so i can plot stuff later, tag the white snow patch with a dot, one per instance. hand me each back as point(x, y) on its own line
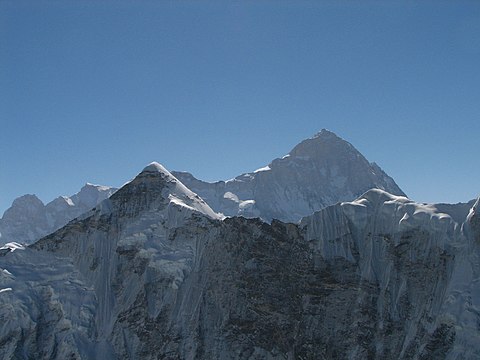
point(6, 272)
point(99, 187)
point(473, 210)
point(12, 246)
point(265, 168)
point(231, 196)
point(68, 200)
point(175, 200)
point(5, 290)
point(246, 204)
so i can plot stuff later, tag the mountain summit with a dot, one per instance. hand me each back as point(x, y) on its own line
point(318, 172)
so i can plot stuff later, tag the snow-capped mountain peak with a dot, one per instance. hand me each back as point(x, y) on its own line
point(155, 175)
point(157, 167)
point(318, 172)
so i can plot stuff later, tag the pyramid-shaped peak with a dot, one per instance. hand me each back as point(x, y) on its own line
point(325, 143)
point(155, 187)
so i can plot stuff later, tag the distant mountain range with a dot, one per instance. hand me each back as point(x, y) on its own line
point(318, 172)
point(29, 219)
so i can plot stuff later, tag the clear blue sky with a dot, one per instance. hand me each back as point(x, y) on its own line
point(93, 91)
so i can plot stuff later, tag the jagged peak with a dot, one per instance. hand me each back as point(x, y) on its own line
point(325, 133)
point(27, 200)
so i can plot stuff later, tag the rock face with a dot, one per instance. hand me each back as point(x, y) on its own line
point(157, 274)
point(28, 219)
point(318, 172)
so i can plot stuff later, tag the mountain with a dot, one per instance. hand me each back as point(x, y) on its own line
point(318, 172)
point(153, 272)
point(28, 219)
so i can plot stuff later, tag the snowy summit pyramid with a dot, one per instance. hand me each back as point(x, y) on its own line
point(318, 172)
point(156, 188)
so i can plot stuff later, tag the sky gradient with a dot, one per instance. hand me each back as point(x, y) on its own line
point(93, 91)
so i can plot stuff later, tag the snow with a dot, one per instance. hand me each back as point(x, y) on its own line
point(6, 272)
point(473, 210)
point(156, 251)
point(99, 187)
point(413, 214)
point(265, 168)
point(175, 200)
point(180, 195)
point(231, 196)
point(156, 167)
point(12, 246)
point(247, 204)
